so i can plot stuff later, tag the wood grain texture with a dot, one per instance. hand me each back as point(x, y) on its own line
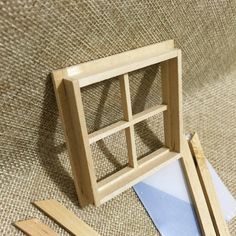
point(208, 187)
point(65, 218)
point(73, 149)
point(196, 191)
point(125, 97)
point(107, 131)
point(171, 74)
point(120, 125)
point(67, 84)
point(127, 110)
point(69, 99)
point(122, 68)
point(152, 111)
point(127, 177)
point(35, 227)
point(89, 185)
point(104, 68)
point(130, 140)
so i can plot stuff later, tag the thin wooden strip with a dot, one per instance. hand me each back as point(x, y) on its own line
point(102, 63)
point(171, 72)
point(148, 113)
point(65, 218)
point(107, 131)
point(80, 175)
point(208, 187)
point(165, 80)
point(35, 227)
point(127, 109)
point(125, 97)
point(113, 71)
point(147, 160)
point(120, 174)
point(114, 65)
point(75, 103)
point(130, 139)
point(130, 176)
point(197, 194)
point(120, 125)
point(124, 68)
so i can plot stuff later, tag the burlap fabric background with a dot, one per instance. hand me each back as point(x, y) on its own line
point(40, 36)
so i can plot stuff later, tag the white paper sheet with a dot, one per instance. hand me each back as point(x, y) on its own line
point(166, 199)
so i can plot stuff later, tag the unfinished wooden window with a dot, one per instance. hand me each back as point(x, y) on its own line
point(68, 83)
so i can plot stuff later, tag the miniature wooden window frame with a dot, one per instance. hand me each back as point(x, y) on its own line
point(68, 83)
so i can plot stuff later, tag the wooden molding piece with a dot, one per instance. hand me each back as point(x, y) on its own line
point(208, 187)
point(35, 227)
point(65, 218)
point(197, 194)
point(98, 70)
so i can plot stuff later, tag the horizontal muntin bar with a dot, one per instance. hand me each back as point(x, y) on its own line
point(148, 113)
point(120, 125)
point(127, 177)
point(107, 131)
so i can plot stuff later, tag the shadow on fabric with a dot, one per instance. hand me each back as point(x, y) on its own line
point(48, 150)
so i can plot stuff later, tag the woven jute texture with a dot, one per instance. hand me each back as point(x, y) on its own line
point(40, 36)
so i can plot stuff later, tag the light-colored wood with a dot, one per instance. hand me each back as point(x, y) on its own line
point(120, 125)
point(125, 97)
point(130, 140)
point(171, 72)
point(35, 227)
point(208, 187)
point(81, 135)
point(107, 131)
point(127, 109)
point(148, 113)
point(119, 174)
point(127, 177)
point(71, 110)
point(67, 83)
point(108, 67)
point(65, 218)
point(80, 174)
point(122, 67)
point(197, 194)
